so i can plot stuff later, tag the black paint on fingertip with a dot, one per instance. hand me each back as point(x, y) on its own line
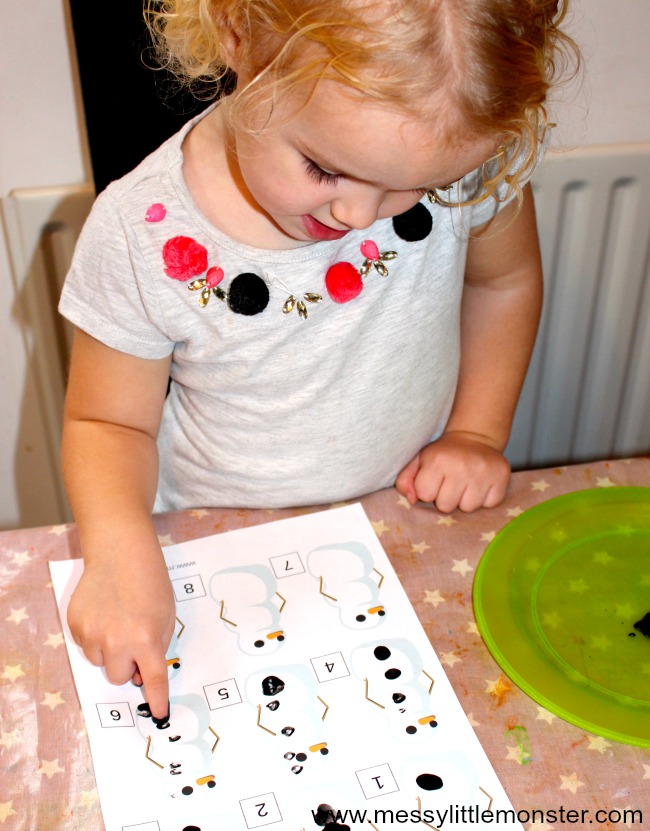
point(144, 710)
point(161, 723)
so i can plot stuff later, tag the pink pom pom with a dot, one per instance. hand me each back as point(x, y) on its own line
point(184, 258)
point(155, 212)
point(343, 282)
point(214, 276)
point(369, 250)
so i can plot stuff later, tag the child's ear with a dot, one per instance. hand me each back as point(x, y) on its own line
point(231, 44)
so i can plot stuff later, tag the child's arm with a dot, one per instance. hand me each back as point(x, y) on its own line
point(465, 468)
point(122, 613)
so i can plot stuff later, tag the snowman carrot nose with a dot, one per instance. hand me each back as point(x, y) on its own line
point(206, 780)
point(279, 635)
point(376, 610)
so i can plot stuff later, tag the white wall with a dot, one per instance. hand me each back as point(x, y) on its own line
point(42, 143)
point(609, 103)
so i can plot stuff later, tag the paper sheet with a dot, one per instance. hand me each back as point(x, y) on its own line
point(300, 681)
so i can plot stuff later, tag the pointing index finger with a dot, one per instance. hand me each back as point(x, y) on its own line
point(153, 672)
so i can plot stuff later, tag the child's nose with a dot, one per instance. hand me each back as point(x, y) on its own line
point(357, 208)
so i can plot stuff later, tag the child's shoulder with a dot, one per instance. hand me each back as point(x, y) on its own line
point(157, 177)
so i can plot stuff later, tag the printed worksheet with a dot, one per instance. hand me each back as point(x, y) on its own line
point(304, 694)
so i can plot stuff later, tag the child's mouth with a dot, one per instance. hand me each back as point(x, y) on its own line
point(316, 229)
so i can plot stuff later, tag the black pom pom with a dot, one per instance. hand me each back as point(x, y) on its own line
point(248, 294)
point(413, 225)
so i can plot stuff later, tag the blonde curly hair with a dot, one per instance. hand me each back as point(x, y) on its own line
point(496, 60)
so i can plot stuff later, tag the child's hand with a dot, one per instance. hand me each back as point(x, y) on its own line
point(123, 619)
point(459, 470)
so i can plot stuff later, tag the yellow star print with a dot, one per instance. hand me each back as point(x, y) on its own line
point(598, 743)
point(20, 558)
point(571, 783)
point(12, 672)
point(17, 615)
point(8, 740)
point(52, 700)
point(462, 567)
point(49, 769)
point(379, 527)
point(6, 810)
point(449, 658)
point(88, 798)
point(434, 597)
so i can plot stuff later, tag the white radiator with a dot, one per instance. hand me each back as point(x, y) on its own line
point(587, 394)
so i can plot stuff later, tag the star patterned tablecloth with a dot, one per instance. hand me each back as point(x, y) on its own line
point(46, 774)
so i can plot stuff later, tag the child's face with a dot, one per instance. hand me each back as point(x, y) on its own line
point(343, 162)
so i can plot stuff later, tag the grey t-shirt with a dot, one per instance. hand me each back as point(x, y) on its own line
point(272, 409)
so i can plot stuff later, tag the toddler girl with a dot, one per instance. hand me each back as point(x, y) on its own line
point(336, 265)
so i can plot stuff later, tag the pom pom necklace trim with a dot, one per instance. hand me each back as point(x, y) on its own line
point(248, 294)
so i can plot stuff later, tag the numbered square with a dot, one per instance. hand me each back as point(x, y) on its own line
point(260, 810)
point(377, 781)
point(187, 588)
point(329, 667)
point(286, 565)
point(115, 714)
point(222, 694)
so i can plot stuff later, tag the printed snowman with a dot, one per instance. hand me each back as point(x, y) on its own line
point(348, 581)
point(249, 607)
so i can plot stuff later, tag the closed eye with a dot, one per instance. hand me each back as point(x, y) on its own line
point(320, 175)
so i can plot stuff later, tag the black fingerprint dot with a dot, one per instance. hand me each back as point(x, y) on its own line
point(161, 723)
point(272, 685)
point(433, 723)
point(296, 769)
point(410, 729)
point(280, 637)
point(289, 756)
point(191, 828)
point(361, 618)
point(381, 653)
point(392, 673)
point(429, 782)
point(324, 751)
point(288, 731)
point(324, 815)
point(413, 225)
point(399, 698)
point(381, 612)
point(301, 757)
point(248, 294)
point(212, 784)
point(259, 644)
point(187, 790)
point(273, 705)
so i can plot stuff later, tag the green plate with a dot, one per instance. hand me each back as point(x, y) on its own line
point(556, 597)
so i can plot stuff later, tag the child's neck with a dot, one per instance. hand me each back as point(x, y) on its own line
point(214, 181)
